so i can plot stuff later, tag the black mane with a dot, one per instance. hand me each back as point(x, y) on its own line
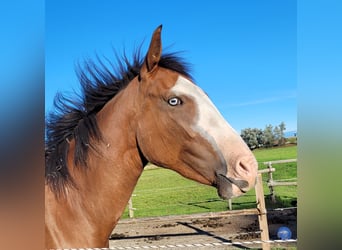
point(75, 116)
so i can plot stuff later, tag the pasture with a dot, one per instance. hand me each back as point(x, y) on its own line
point(162, 192)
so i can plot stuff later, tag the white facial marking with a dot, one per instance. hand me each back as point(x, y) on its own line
point(209, 118)
point(211, 125)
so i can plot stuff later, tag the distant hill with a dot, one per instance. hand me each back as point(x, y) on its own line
point(292, 133)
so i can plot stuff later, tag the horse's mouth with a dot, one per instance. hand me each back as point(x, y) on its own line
point(228, 187)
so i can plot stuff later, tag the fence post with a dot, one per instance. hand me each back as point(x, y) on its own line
point(270, 181)
point(130, 208)
point(230, 204)
point(262, 216)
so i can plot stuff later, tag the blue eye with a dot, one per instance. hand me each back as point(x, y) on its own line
point(174, 101)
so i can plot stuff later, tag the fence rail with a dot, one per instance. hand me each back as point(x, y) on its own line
point(261, 210)
point(280, 161)
point(273, 183)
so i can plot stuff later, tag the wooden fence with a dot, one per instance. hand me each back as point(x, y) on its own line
point(271, 183)
point(261, 210)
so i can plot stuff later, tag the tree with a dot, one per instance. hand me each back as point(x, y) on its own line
point(252, 137)
point(277, 135)
point(260, 137)
point(256, 138)
point(282, 128)
point(249, 137)
point(268, 136)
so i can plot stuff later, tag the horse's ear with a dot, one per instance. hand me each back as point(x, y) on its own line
point(153, 54)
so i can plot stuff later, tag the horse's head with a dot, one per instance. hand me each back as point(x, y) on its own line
point(180, 128)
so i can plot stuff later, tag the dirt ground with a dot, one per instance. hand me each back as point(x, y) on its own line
point(217, 230)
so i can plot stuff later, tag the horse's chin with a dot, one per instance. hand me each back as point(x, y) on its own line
point(228, 188)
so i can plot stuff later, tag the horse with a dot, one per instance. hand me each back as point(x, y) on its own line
point(96, 147)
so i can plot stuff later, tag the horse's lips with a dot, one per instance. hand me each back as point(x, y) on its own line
point(228, 187)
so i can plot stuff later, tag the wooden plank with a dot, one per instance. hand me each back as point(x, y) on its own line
point(262, 216)
point(280, 161)
point(282, 183)
point(266, 170)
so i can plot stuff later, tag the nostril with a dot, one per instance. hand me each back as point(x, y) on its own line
point(246, 167)
point(243, 167)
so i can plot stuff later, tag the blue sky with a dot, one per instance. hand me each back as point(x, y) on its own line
point(243, 53)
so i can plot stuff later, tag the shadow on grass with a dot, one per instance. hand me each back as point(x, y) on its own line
point(280, 202)
point(201, 204)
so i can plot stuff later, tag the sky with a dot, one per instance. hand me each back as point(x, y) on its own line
point(243, 53)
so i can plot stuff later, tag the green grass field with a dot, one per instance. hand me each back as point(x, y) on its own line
point(164, 192)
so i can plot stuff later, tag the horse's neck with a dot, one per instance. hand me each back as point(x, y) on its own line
point(114, 166)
